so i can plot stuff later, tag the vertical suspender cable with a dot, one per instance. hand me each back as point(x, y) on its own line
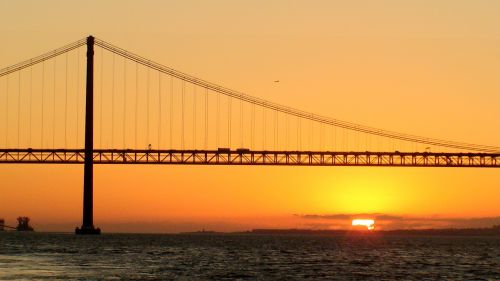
point(241, 123)
point(340, 142)
point(378, 140)
point(18, 108)
point(321, 136)
point(31, 105)
point(171, 110)
point(347, 139)
point(182, 114)
point(342, 139)
point(194, 116)
point(366, 142)
point(159, 110)
point(101, 93)
point(252, 129)
point(66, 106)
point(7, 112)
point(264, 128)
point(329, 138)
point(77, 94)
point(124, 101)
point(43, 93)
point(206, 118)
point(275, 129)
point(229, 114)
point(334, 137)
point(218, 120)
point(324, 129)
point(147, 108)
point(54, 105)
point(356, 136)
point(311, 131)
point(136, 100)
point(286, 131)
point(113, 103)
point(299, 134)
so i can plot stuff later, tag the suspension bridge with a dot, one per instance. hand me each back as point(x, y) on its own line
point(84, 105)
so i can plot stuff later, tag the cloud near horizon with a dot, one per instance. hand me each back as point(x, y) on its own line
point(390, 221)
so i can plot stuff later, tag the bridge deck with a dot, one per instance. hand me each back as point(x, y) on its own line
point(250, 157)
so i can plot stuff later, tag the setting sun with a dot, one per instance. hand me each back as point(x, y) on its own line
point(370, 224)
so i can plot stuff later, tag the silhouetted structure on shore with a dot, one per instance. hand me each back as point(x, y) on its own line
point(2, 224)
point(23, 224)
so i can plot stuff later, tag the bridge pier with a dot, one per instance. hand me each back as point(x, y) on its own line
point(88, 170)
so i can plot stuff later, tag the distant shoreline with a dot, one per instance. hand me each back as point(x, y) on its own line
point(492, 231)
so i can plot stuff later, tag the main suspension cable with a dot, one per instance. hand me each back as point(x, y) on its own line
point(296, 112)
point(42, 58)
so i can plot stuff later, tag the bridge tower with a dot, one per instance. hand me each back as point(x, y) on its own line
point(88, 170)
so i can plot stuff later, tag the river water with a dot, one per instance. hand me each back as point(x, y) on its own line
point(46, 256)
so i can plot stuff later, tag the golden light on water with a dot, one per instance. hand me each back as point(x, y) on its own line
point(370, 224)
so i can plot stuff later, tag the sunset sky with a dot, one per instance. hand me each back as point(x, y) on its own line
point(428, 68)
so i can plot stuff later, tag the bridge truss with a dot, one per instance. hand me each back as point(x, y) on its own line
point(247, 157)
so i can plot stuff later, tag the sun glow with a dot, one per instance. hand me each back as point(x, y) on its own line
point(370, 224)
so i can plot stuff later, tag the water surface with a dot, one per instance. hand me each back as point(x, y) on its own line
point(26, 256)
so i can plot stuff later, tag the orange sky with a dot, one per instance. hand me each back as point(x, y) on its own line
point(418, 67)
